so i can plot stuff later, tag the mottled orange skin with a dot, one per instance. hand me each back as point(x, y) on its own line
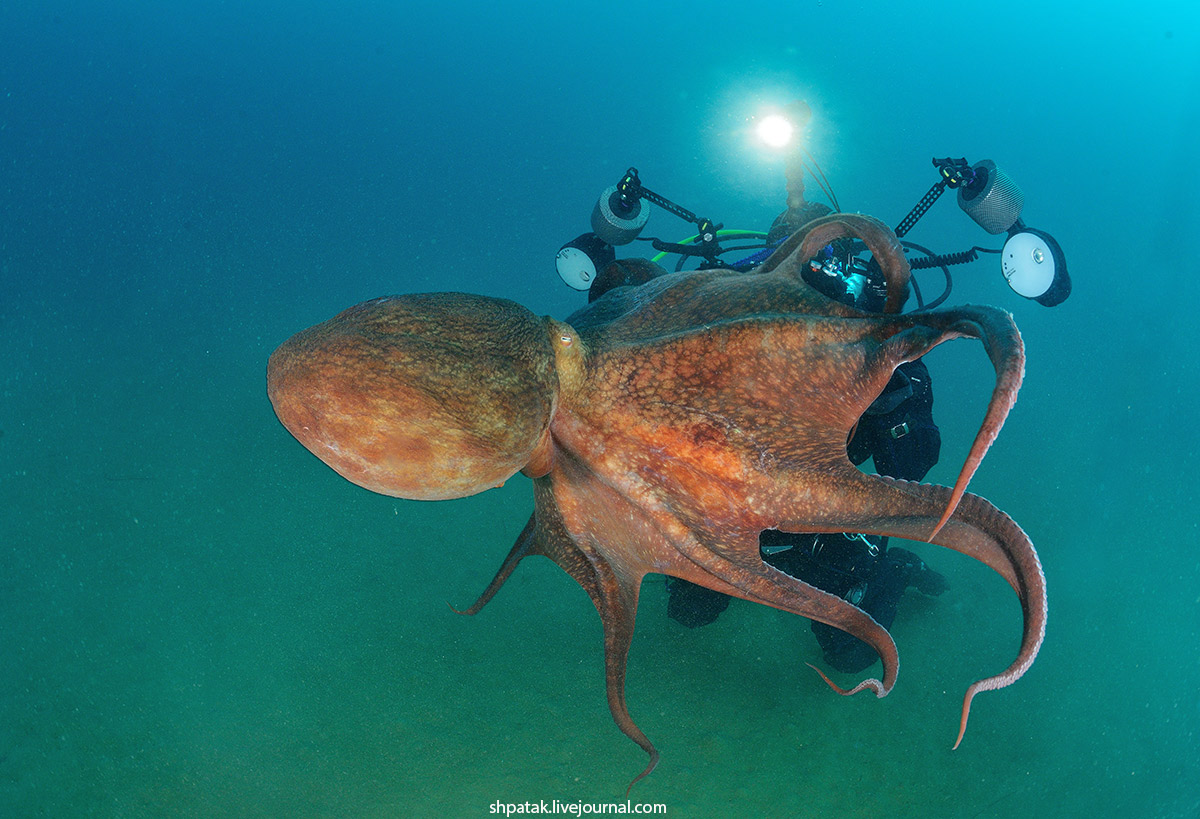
point(390, 393)
point(665, 427)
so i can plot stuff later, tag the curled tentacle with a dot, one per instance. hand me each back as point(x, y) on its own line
point(1005, 548)
point(1002, 341)
point(878, 237)
point(1003, 344)
point(746, 576)
point(885, 506)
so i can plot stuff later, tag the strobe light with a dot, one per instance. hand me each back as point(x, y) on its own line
point(579, 260)
point(1032, 262)
point(1034, 266)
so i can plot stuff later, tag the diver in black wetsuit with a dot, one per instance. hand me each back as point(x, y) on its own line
point(897, 431)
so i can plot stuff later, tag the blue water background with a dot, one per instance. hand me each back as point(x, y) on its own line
point(197, 618)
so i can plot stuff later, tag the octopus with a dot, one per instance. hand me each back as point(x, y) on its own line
point(665, 427)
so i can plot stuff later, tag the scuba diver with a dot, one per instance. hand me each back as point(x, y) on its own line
point(897, 431)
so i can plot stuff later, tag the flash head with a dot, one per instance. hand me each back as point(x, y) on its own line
point(579, 260)
point(1034, 266)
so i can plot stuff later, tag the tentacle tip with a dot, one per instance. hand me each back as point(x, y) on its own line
point(470, 611)
point(945, 518)
point(649, 767)
point(966, 713)
point(825, 677)
point(962, 729)
point(875, 685)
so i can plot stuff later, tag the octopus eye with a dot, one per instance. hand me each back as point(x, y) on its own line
point(566, 340)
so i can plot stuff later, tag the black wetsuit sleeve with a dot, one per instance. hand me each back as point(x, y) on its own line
point(900, 435)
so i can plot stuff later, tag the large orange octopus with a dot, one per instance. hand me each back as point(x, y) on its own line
point(665, 427)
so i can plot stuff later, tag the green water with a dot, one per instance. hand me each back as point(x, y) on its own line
point(200, 619)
